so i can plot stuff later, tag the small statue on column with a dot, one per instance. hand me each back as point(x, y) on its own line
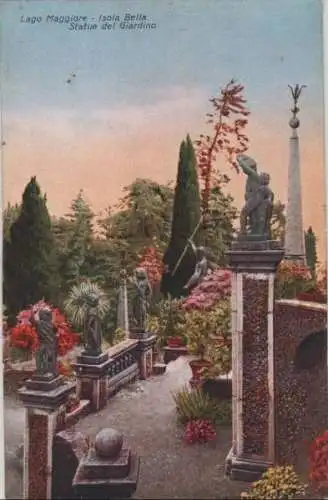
point(46, 355)
point(141, 301)
point(92, 329)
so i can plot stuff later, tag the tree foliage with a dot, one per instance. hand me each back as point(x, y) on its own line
point(78, 241)
point(226, 136)
point(311, 250)
point(186, 216)
point(30, 271)
point(278, 222)
point(9, 216)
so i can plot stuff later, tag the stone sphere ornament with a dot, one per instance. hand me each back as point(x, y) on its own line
point(294, 122)
point(108, 443)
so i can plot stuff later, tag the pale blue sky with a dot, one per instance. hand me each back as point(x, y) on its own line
point(266, 44)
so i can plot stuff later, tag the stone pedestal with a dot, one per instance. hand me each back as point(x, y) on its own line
point(253, 449)
point(91, 374)
point(43, 397)
point(108, 471)
point(144, 354)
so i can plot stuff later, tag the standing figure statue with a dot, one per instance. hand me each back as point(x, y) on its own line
point(141, 301)
point(92, 328)
point(201, 268)
point(256, 214)
point(46, 356)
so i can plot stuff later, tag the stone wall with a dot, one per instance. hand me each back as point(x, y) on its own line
point(300, 372)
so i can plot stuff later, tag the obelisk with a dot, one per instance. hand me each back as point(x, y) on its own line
point(294, 234)
point(122, 307)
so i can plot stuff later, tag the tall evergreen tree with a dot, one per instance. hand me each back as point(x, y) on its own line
point(311, 250)
point(29, 258)
point(186, 216)
point(10, 214)
point(74, 262)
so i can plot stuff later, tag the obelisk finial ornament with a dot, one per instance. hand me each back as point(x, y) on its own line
point(294, 237)
point(296, 92)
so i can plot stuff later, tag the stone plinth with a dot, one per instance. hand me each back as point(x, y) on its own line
point(144, 354)
point(91, 374)
point(108, 471)
point(42, 407)
point(253, 449)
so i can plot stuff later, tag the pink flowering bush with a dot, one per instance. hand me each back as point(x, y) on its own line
point(216, 286)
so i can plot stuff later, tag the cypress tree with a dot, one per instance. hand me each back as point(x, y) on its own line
point(29, 258)
point(311, 250)
point(186, 215)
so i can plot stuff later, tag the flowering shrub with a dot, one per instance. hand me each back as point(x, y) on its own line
point(152, 262)
point(214, 287)
point(199, 431)
point(318, 461)
point(292, 279)
point(277, 483)
point(208, 334)
point(24, 335)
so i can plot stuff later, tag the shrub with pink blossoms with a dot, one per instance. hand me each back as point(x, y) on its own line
point(215, 287)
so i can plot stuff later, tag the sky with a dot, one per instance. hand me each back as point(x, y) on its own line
point(137, 93)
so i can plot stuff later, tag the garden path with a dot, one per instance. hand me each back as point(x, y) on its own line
point(145, 413)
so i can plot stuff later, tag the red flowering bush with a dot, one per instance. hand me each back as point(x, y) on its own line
point(199, 431)
point(318, 461)
point(152, 262)
point(214, 287)
point(24, 335)
point(292, 279)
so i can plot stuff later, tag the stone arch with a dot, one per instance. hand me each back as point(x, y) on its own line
point(311, 353)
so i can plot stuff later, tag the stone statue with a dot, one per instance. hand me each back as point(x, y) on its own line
point(201, 268)
point(46, 356)
point(140, 306)
point(256, 214)
point(92, 329)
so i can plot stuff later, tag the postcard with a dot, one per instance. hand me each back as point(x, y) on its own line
point(164, 248)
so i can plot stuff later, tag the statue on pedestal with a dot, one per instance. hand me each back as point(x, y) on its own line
point(92, 329)
point(141, 301)
point(256, 214)
point(46, 355)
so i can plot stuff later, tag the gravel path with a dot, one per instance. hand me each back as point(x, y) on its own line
point(145, 413)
